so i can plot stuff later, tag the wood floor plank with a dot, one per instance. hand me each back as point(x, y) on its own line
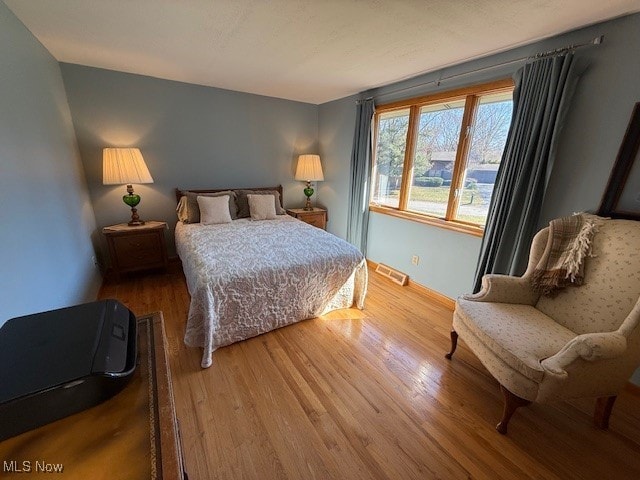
point(368, 395)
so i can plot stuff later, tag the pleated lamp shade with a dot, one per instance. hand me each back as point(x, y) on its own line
point(309, 168)
point(124, 166)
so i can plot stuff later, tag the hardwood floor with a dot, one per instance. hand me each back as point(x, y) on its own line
point(368, 395)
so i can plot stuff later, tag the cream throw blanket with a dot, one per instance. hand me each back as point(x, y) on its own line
point(562, 262)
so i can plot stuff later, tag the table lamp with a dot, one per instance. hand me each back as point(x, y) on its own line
point(125, 166)
point(309, 170)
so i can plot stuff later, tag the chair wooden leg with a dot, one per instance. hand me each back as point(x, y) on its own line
point(454, 344)
point(604, 405)
point(511, 403)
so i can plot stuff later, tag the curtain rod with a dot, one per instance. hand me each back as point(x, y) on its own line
point(558, 51)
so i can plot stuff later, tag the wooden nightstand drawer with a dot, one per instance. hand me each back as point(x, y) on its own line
point(136, 248)
point(316, 217)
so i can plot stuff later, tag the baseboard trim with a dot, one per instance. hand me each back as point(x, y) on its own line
point(447, 302)
point(437, 297)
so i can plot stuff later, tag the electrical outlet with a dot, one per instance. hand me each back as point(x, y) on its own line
point(415, 260)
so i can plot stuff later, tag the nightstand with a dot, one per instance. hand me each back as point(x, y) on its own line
point(136, 248)
point(316, 217)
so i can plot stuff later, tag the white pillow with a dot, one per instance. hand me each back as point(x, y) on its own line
point(262, 207)
point(214, 210)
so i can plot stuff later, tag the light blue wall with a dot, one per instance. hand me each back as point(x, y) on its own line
point(586, 152)
point(46, 215)
point(336, 122)
point(598, 118)
point(436, 248)
point(190, 136)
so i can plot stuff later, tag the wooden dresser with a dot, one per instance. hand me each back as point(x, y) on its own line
point(133, 435)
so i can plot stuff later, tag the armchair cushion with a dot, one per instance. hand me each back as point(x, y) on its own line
point(519, 334)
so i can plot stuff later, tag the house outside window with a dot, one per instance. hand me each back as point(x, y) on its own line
point(436, 157)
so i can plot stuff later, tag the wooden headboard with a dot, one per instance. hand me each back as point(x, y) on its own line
point(179, 191)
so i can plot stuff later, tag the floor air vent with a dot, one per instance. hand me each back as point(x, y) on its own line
point(398, 277)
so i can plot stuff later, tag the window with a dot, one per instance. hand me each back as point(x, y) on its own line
point(392, 134)
point(436, 158)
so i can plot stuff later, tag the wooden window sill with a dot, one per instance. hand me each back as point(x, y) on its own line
point(427, 220)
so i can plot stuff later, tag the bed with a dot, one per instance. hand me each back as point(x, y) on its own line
point(249, 277)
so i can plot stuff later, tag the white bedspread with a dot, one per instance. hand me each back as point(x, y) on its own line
point(249, 277)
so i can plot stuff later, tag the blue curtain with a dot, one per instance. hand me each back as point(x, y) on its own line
point(543, 91)
point(358, 211)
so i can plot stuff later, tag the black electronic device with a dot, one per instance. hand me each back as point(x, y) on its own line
point(57, 363)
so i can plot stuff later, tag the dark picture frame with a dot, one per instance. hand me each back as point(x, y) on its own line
point(621, 198)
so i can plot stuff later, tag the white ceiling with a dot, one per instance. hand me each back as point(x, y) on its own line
point(307, 50)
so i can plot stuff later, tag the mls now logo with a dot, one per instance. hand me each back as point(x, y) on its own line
point(26, 466)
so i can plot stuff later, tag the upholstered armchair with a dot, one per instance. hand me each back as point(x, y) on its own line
point(584, 342)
